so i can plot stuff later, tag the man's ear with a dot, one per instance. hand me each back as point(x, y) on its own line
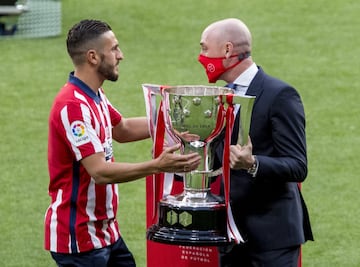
point(92, 57)
point(229, 47)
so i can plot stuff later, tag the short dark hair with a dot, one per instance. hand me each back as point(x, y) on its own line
point(81, 34)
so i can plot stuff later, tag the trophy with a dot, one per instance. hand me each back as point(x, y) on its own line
point(196, 116)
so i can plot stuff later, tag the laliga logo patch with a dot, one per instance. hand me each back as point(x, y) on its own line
point(210, 67)
point(78, 129)
point(79, 133)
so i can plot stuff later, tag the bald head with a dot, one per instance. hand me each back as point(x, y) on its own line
point(225, 49)
point(229, 30)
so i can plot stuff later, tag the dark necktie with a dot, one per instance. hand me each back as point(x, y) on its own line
point(231, 85)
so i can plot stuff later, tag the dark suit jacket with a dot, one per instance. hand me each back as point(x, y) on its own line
point(269, 209)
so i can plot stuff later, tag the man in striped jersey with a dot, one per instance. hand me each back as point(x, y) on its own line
point(80, 224)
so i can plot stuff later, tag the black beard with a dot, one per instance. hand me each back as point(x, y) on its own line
point(108, 73)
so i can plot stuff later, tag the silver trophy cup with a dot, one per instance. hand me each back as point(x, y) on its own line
point(195, 116)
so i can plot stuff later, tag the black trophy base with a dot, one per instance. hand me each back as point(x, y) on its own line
point(190, 226)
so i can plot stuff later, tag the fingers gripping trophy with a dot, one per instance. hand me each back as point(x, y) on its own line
point(195, 116)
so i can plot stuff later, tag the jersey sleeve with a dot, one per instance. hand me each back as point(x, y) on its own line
point(80, 130)
point(114, 114)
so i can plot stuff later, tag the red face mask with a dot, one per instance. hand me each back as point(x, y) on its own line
point(214, 65)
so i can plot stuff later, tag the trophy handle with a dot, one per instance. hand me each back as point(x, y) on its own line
point(161, 183)
point(246, 104)
point(151, 93)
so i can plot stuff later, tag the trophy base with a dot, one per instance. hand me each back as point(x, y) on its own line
point(190, 226)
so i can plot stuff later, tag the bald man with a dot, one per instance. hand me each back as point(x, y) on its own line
point(266, 172)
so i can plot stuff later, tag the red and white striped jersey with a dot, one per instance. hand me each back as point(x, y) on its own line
point(82, 214)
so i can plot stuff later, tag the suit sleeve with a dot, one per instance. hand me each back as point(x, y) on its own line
point(288, 159)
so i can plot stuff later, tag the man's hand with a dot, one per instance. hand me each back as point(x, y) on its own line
point(169, 161)
point(187, 136)
point(241, 157)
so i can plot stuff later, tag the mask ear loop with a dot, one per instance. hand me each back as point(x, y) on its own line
point(242, 56)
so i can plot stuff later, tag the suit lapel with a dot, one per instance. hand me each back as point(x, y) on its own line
point(256, 85)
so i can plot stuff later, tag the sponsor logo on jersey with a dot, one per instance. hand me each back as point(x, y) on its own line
point(79, 133)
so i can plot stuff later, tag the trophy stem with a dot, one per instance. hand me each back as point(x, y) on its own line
point(196, 198)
